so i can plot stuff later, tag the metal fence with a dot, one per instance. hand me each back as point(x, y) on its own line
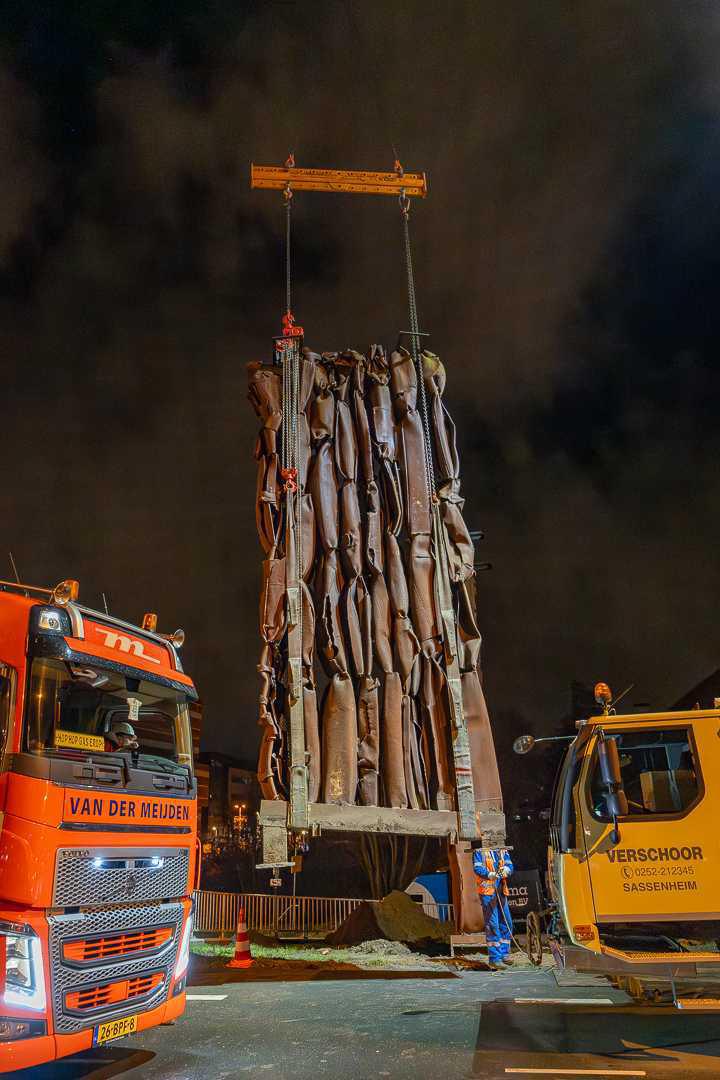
point(441, 912)
point(216, 913)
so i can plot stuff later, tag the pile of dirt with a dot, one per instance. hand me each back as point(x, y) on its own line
point(380, 947)
point(256, 938)
point(396, 918)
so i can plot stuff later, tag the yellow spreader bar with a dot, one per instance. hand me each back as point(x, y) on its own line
point(342, 181)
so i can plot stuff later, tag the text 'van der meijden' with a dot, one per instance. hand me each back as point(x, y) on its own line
point(139, 809)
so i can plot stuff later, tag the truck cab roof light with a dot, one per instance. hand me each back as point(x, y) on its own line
point(65, 592)
point(52, 620)
point(149, 621)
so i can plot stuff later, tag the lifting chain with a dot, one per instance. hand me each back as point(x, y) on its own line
point(443, 589)
point(288, 196)
point(415, 349)
point(289, 470)
point(290, 473)
point(291, 389)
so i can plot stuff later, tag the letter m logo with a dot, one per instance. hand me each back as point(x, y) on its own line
point(125, 644)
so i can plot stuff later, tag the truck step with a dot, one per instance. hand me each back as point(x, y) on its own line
point(664, 957)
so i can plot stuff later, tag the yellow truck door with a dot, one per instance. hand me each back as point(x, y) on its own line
point(659, 862)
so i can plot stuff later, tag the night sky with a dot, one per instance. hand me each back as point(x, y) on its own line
point(567, 265)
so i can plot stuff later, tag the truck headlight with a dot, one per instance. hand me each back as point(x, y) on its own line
point(24, 983)
point(184, 955)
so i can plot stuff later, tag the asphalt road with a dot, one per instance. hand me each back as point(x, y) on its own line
point(475, 1025)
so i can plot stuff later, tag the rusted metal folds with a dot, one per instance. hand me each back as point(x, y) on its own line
point(390, 663)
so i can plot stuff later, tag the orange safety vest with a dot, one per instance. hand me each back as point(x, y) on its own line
point(488, 886)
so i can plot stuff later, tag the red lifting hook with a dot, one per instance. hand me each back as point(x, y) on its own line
point(289, 329)
point(290, 478)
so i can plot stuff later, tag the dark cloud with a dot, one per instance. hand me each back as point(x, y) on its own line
point(566, 267)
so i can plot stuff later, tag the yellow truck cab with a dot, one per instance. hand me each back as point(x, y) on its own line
point(635, 846)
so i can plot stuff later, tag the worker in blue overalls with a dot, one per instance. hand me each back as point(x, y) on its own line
point(492, 869)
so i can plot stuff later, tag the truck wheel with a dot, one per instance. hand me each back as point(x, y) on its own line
point(534, 944)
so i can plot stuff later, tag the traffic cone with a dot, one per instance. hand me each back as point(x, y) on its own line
point(242, 957)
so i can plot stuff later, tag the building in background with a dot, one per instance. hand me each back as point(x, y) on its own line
point(229, 817)
point(202, 772)
point(703, 695)
point(228, 793)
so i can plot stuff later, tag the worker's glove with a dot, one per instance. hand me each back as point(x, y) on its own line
point(504, 873)
point(492, 875)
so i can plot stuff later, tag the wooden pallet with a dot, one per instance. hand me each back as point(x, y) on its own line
point(466, 941)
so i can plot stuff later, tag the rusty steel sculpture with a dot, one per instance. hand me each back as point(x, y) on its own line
point(371, 706)
point(384, 588)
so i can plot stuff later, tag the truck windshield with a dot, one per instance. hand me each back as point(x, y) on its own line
point(659, 773)
point(95, 709)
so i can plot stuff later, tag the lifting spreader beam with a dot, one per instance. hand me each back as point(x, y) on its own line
point(344, 181)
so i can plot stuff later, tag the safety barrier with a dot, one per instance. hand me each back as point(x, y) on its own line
point(216, 913)
point(441, 912)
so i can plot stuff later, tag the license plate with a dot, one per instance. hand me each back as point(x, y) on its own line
point(114, 1029)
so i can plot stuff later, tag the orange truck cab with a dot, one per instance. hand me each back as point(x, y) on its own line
point(98, 840)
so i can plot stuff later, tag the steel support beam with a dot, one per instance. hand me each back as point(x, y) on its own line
point(330, 817)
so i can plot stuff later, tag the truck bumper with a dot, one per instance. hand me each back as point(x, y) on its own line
point(23, 1053)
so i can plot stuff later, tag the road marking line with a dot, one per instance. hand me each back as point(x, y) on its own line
point(563, 1001)
point(577, 1072)
point(206, 997)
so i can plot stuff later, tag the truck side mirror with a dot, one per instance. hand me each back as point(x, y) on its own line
point(523, 744)
point(615, 797)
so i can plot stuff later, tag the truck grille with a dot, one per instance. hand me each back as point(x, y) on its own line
point(87, 988)
point(98, 998)
point(115, 946)
point(101, 876)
